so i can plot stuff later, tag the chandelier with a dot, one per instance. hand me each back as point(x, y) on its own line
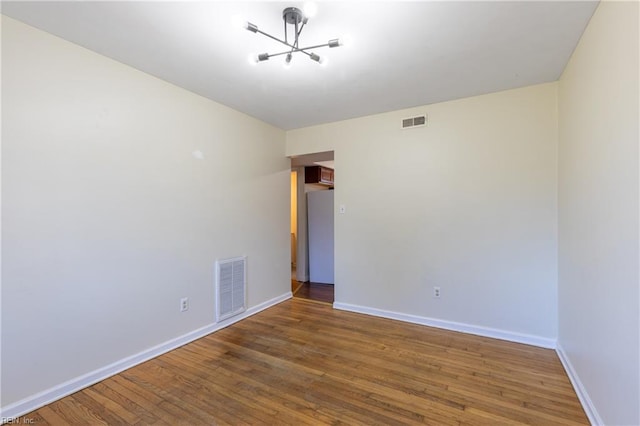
point(294, 21)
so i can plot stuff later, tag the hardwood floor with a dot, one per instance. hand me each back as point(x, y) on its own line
point(305, 363)
point(313, 291)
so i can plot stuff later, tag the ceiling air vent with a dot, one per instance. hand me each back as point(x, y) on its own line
point(419, 121)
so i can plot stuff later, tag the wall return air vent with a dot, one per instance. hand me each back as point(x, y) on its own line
point(409, 123)
point(231, 287)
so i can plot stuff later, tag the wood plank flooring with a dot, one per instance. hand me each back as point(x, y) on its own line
point(304, 363)
point(313, 291)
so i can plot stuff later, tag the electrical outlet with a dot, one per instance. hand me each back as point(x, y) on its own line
point(184, 304)
point(436, 292)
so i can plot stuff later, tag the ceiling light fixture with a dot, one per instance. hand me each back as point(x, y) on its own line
point(295, 18)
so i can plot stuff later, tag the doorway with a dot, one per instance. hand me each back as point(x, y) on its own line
point(310, 255)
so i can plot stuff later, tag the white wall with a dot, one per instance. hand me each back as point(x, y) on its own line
point(108, 219)
point(598, 214)
point(467, 203)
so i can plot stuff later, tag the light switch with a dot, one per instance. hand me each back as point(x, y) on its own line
point(343, 209)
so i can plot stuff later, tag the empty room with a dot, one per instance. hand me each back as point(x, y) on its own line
point(482, 162)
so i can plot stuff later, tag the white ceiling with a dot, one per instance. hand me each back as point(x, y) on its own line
point(403, 54)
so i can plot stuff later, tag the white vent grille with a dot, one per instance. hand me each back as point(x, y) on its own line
point(231, 284)
point(419, 121)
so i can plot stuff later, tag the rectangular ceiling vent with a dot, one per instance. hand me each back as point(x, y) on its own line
point(419, 121)
point(231, 287)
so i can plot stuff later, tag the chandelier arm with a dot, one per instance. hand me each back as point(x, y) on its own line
point(317, 46)
point(273, 38)
point(301, 50)
point(286, 38)
point(289, 51)
point(298, 32)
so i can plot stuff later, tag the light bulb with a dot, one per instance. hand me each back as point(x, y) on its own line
point(346, 40)
point(310, 9)
point(238, 22)
point(252, 59)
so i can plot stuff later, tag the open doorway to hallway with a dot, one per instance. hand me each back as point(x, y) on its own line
point(312, 231)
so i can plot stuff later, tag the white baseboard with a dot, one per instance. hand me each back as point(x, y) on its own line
point(583, 396)
point(40, 399)
point(510, 336)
